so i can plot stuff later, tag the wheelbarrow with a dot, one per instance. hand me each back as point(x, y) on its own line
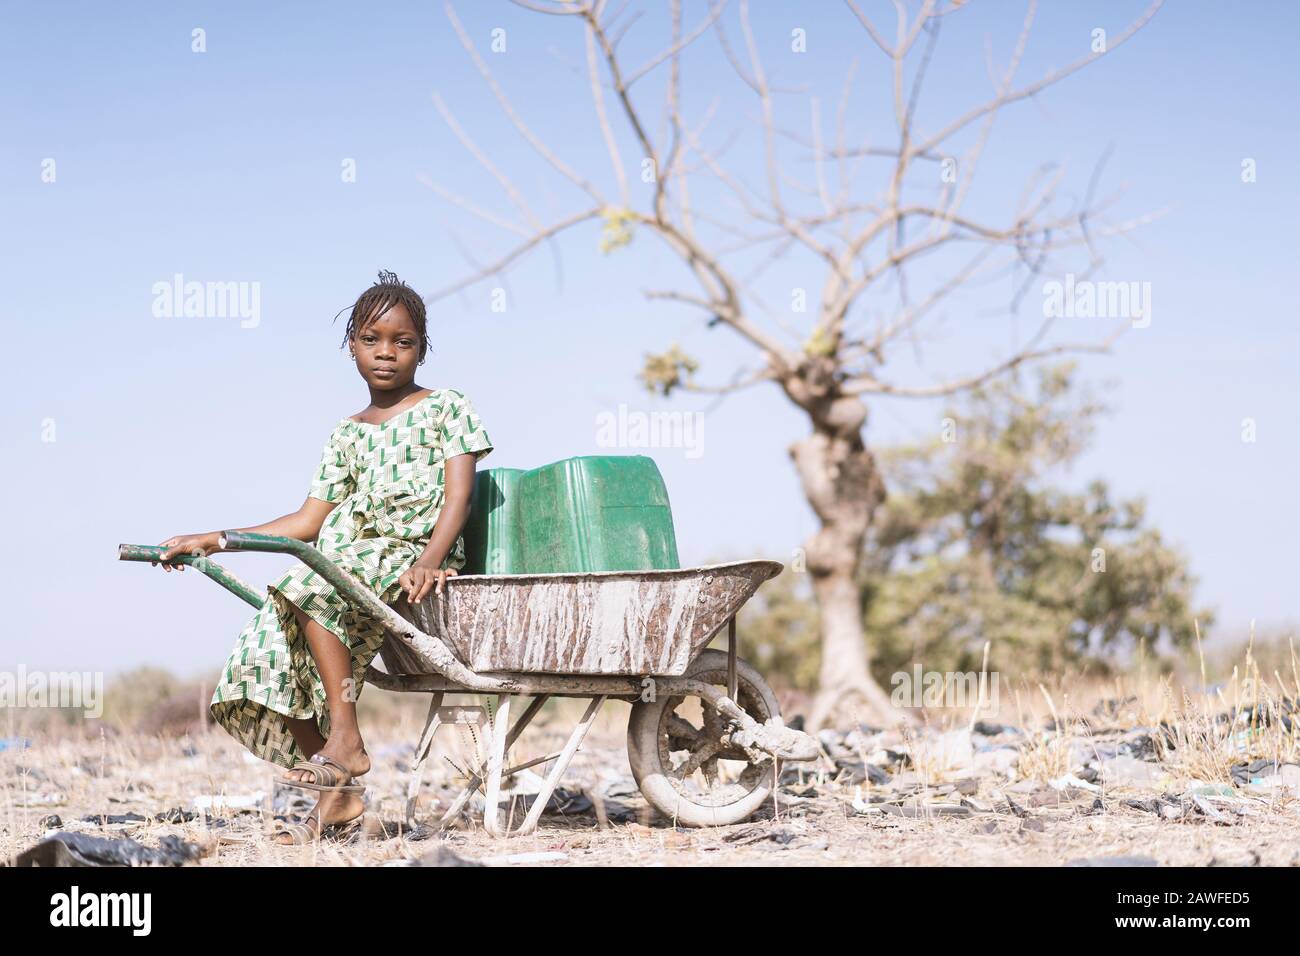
point(705, 738)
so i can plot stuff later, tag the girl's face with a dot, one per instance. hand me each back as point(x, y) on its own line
point(388, 350)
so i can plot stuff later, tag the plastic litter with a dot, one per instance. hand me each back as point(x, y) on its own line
point(229, 801)
point(82, 849)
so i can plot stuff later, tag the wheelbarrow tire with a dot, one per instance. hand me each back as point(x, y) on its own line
point(647, 740)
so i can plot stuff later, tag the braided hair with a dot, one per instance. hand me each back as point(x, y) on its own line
point(378, 299)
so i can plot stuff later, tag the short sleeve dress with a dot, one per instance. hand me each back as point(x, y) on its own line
point(388, 482)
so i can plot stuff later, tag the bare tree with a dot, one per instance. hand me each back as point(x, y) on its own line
point(860, 246)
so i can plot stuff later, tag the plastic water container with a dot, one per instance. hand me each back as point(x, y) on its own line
point(491, 534)
point(589, 513)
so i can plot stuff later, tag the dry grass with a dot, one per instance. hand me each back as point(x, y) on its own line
point(1199, 731)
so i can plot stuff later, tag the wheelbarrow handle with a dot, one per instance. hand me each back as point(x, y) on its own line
point(149, 552)
point(361, 598)
point(252, 541)
point(153, 553)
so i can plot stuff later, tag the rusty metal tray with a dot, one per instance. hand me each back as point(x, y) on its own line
point(603, 622)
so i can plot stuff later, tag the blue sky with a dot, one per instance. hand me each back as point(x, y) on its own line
point(225, 166)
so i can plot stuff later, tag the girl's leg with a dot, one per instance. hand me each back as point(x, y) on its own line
point(335, 666)
point(344, 743)
point(306, 734)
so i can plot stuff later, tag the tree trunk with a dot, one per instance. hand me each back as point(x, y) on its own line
point(843, 486)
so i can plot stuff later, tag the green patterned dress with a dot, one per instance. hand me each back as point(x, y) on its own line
point(388, 482)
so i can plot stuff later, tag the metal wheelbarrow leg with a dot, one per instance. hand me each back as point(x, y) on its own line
point(491, 810)
point(476, 778)
point(422, 748)
point(496, 771)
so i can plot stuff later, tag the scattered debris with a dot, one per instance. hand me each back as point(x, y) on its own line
point(951, 752)
point(176, 815)
point(443, 855)
point(228, 801)
point(45, 798)
point(1015, 808)
point(1152, 806)
point(81, 849)
point(562, 801)
point(746, 835)
point(855, 771)
point(1139, 744)
point(926, 810)
point(1112, 707)
point(1115, 861)
point(1069, 781)
point(999, 760)
point(103, 819)
point(1267, 775)
point(1252, 771)
point(862, 806)
point(1129, 771)
point(1212, 790)
point(546, 856)
point(1204, 806)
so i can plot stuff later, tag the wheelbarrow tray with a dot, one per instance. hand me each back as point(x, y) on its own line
point(608, 622)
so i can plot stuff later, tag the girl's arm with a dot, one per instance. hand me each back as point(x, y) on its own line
point(303, 524)
point(426, 572)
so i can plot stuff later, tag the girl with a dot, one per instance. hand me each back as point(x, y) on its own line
point(388, 503)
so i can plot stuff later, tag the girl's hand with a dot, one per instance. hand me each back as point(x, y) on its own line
point(200, 545)
point(417, 580)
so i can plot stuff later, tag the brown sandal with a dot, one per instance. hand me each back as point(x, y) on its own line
point(301, 834)
point(325, 776)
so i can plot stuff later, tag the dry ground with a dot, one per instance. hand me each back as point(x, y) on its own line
point(939, 798)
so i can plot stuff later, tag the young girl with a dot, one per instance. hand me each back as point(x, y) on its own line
point(388, 504)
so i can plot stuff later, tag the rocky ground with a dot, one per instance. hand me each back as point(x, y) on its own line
point(1093, 791)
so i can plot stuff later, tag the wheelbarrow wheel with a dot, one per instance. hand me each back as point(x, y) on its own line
point(677, 757)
